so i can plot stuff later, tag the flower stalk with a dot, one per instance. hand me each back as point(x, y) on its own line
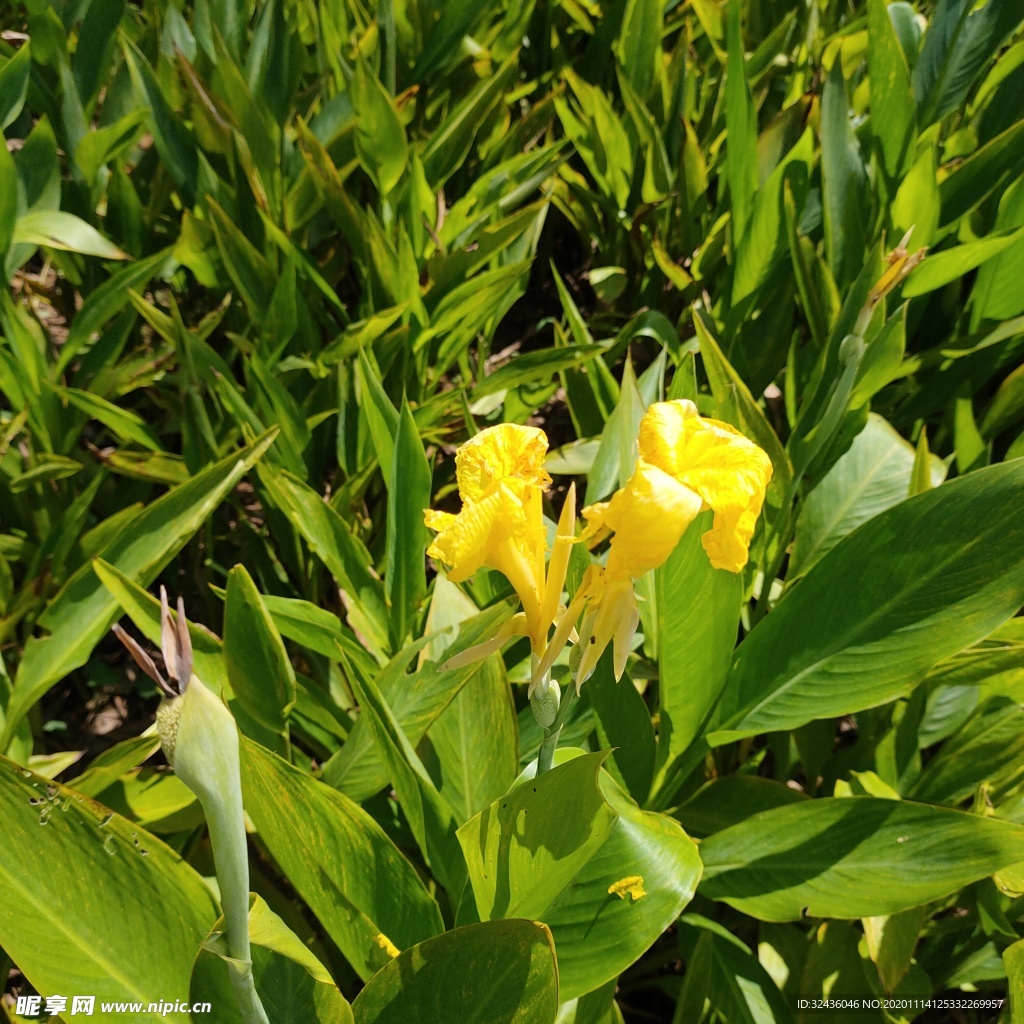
point(200, 740)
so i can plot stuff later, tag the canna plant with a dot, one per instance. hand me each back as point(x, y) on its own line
point(284, 275)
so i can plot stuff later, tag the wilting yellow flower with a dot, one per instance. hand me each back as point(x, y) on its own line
point(501, 477)
point(686, 464)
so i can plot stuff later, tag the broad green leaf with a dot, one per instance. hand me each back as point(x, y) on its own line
point(449, 144)
point(407, 536)
point(528, 846)
point(956, 47)
point(741, 129)
point(874, 475)
point(58, 230)
point(730, 799)
point(952, 264)
point(624, 725)
point(380, 136)
point(416, 701)
point(699, 608)
point(892, 96)
point(1013, 958)
point(844, 181)
point(84, 609)
point(91, 63)
point(987, 749)
point(174, 141)
point(499, 972)
point(995, 294)
point(98, 148)
point(339, 860)
point(973, 181)
point(337, 547)
point(738, 984)
point(259, 670)
point(114, 763)
point(293, 985)
point(382, 418)
point(933, 575)
point(474, 741)
point(601, 922)
point(430, 817)
point(638, 46)
point(14, 76)
point(104, 908)
point(852, 857)
point(570, 848)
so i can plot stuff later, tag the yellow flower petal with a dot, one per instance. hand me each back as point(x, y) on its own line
point(499, 453)
point(565, 537)
point(465, 541)
point(648, 516)
point(715, 461)
point(631, 885)
point(612, 619)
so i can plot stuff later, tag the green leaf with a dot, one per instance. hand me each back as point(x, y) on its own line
point(986, 749)
point(123, 423)
point(638, 46)
point(259, 670)
point(500, 972)
point(380, 136)
point(339, 860)
point(528, 846)
point(844, 182)
point(738, 984)
point(83, 610)
point(346, 558)
point(407, 536)
point(892, 95)
point(416, 701)
point(624, 726)
point(58, 230)
point(430, 817)
point(293, 985)
point(970, 183)
point(247, 267)
point(852, 857)
point(741, 129)
point(449, 144)
point(571, 848)
point(872, 476)
point(474, 741)
point(699, 608)
point(174, 142)
point(933, 575)
point(106, 909)
point(1013, 958)
point(956, 47)
point(951, 264)
point(14, 76)
point(8, 205)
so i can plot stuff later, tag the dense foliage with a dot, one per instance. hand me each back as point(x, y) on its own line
point(271, 261)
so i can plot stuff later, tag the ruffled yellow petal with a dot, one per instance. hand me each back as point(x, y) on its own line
point(499, 453)
point(465, 541)
point(715, 461)
point(647, 516)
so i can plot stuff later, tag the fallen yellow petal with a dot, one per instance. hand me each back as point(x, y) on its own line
point(387, 945)
point(631, 885)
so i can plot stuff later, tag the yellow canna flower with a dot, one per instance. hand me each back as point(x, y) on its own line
point(501, 477)
point(686, 464)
